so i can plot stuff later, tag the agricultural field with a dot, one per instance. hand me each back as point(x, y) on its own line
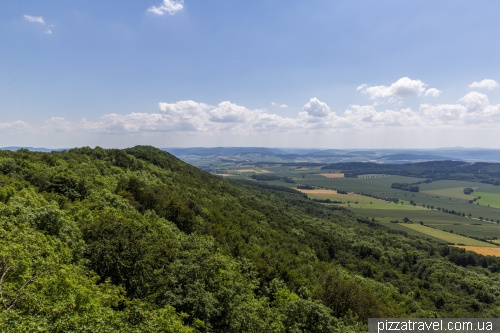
point(488, 199)
point(455, 192)
point(440, 210)
point(487, 251)
point(446, 236)
point(332, 175)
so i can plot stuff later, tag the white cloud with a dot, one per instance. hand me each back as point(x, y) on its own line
point(433, 92)
point(475, 101)
point(474, 109)
point(60, 124)
point(34, 19)
point(366, 116)
point(486, 83)
point(17, 125)
point(168, 6)
point(229, 112)
point(442, 113)
point(266, 122)
point(316, 108)
point(477, 110)
point(402, 88)
point(184, 115)
point(282, 106)
point(48, 32)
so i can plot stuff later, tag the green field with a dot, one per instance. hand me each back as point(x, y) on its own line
point(455, 192)
point(445, 236)
point(491, 199)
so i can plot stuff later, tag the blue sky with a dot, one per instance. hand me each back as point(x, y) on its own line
point(331, 74)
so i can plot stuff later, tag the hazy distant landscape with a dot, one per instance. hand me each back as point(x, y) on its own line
point(207, 156)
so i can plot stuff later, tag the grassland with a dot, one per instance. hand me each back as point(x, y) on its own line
point(445, 236)
point(455, 192)
point(488, 199)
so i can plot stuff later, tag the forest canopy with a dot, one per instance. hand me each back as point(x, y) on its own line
point(135, 240)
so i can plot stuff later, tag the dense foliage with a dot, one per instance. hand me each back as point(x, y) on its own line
point(405, 187)
point(134, 240)
point(468, 190)
point(272, 177)
point(488, 173)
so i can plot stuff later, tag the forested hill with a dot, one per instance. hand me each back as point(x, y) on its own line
point(488, 173)
point(134, 240)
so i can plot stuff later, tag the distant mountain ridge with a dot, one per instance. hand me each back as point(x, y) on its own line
point(291, 155)
point(39, 149)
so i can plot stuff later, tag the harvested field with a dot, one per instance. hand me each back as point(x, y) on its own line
point(302, 169)
point(332, 175)
point(254, 170)
point(225, 174)
point(316, 191)
point(487, 251)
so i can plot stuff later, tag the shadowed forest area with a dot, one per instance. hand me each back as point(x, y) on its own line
point(135, 240)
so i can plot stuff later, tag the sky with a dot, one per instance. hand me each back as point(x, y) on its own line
point(270, 73)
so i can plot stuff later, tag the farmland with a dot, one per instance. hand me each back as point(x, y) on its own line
point(440, 210)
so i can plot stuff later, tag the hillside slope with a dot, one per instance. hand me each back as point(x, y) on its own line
point(137, 240)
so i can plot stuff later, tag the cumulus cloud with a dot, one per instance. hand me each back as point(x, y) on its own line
point(229, 112)
point(17, 125)
point(266, 122)
point(366, 116)
point(316, 108)
point(474, 109)
point(402, 88)
point(273, 104)
point(433, 92)
point(168, 6)
point(442, 113)
point(475, 101)
point(486, 83)
point(34, 19)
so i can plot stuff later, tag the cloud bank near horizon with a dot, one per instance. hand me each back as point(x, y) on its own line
point(188, 116)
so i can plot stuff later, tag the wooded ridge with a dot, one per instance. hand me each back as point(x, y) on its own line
point(135, 240)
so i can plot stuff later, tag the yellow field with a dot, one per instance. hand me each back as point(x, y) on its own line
point(332, 175)
point(224, 174)
point(487, 251)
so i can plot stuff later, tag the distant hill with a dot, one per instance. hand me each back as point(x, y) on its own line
point(413, 157)
point(44, 150)
point(488, 173)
